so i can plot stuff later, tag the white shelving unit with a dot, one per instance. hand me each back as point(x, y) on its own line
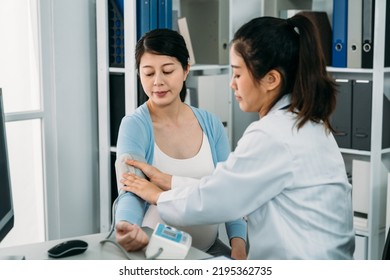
point(377, 156)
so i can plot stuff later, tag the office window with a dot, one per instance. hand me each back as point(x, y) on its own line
point(20, 83)
point(19, 75)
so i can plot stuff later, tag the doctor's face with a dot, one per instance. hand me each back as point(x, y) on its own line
point(162, 78)
point(250, 94)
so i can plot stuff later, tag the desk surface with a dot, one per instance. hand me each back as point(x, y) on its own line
point(95, 251)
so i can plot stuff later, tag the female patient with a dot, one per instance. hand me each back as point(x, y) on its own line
point(286, 174)
point(173, 137)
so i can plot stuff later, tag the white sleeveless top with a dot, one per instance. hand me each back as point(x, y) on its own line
point(196, 167)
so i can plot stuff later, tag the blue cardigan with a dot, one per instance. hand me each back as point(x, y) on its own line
point(136, 138)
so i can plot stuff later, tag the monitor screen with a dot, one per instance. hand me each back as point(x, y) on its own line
point(6, 205)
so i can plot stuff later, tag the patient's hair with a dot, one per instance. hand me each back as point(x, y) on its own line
point(164, 42)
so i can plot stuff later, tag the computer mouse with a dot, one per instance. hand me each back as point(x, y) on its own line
point(68, 248)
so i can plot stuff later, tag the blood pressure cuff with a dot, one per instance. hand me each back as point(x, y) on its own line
point(122, 167)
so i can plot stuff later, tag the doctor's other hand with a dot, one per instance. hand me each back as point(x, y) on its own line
point(155, 176)
point(131, 237)
point(141, 187)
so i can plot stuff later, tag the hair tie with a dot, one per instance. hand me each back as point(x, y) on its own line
point(291, 24)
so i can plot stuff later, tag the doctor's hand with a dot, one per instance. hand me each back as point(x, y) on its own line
point(141, 187)
point(155, 176)
point(131, 237)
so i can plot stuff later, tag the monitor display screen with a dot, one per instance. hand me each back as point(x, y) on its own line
point(6, 205)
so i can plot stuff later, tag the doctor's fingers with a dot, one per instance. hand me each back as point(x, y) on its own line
point(132, 179)
point(147, 169)
point(133, 183)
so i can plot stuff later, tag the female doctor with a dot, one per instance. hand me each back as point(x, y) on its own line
point(286, 175)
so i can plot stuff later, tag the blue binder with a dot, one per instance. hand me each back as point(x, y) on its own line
point(119, 4)
point(165, 14)
point(153, 14)
point(146, 16)
point(340, 33)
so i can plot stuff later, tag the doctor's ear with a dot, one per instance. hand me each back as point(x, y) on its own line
point(273, 79)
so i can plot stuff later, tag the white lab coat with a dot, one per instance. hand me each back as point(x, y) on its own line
point(290, 184)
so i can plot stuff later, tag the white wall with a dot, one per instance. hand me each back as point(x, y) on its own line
point(68, 49)
point(240, 14)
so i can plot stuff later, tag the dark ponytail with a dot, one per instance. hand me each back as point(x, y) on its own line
point(291, 47)
point(314, 91)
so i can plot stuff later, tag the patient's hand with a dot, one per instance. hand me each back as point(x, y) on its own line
point(141, 187)
point(155, 176)
point(131, 237)
point(238, 249)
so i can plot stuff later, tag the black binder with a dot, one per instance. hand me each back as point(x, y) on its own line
point(368, 33)
point(387, 35)
point(341, 119)
point(117, 104)
point(361, 114)
point(386, 123)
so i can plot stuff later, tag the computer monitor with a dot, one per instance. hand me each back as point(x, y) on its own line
point(6, 203)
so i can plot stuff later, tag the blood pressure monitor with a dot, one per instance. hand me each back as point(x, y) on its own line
point(168, 242)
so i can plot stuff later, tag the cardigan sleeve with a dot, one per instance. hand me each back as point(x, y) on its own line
point(134, 140)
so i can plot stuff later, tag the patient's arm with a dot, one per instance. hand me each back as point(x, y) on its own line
point(129, 210)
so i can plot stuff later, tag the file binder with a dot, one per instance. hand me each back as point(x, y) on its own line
point(339, 39)
point(117, 104)
point(341, 119)
point(354, 38)
point(183, 29)
point(165, 14)
point(360, 193)
point(153, 14)
point(386, 123)
point(146, 16)
point(119, 4)
point(368, 33)
point(116, 34)
point(361, 114)
point(387, 35)
point(143, 24)
point(360, 183)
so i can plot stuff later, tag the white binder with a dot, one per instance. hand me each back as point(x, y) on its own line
point(183, 30)
point(354, 41)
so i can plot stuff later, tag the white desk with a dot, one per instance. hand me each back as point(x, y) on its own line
point(95, 251)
